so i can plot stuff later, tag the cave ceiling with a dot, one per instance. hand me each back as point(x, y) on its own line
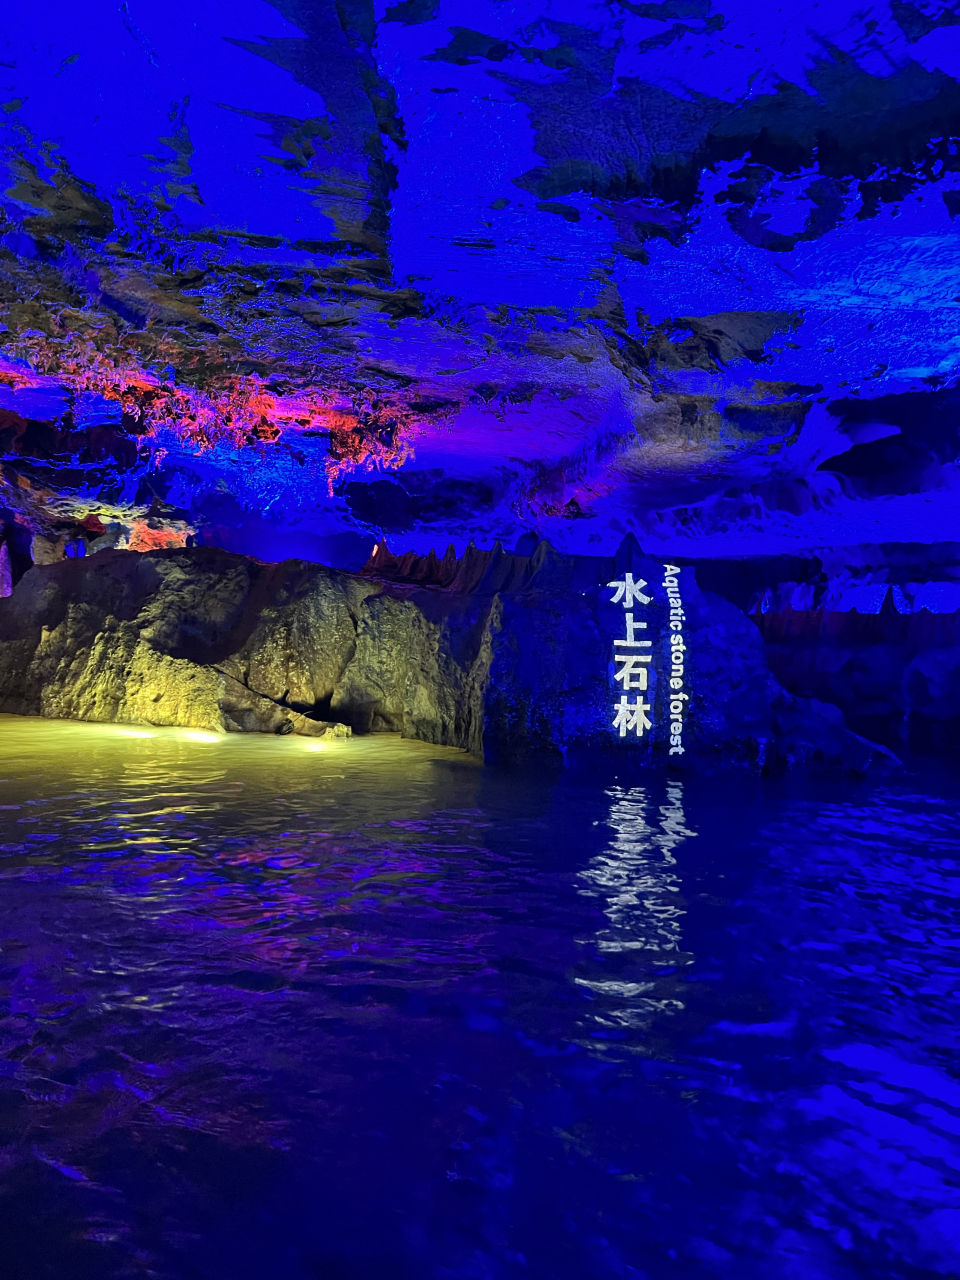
point(292, 277)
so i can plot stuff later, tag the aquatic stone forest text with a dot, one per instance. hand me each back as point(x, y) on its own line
point(631, 668)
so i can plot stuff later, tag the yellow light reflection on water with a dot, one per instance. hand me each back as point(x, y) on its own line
point(168, 754)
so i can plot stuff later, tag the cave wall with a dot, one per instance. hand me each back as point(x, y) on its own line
point(516, 658)
point(872, 629)
point(289, 280)
point(205, 639)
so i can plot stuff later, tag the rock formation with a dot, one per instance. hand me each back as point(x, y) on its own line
point(511, 657)
point(309, 275)
point(873, 630)
point(318, 274)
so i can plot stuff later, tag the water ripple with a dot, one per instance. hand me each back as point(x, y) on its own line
point(378, 1013)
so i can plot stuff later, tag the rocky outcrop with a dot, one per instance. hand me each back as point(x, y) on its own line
point(895, 676)
point(872, 629)
point(206, 639)
point(508, 656)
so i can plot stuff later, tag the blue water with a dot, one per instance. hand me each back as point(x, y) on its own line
point(372, 1013)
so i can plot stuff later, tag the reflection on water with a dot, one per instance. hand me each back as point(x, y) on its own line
point(368, 1010)
point(637, 880)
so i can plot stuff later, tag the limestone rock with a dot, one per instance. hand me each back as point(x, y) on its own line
point(521, 665)
point(872, 629)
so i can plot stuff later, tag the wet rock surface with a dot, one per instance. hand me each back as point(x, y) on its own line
point(873, 630)
point(513, 657)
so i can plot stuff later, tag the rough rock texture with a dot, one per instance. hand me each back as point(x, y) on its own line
point(520, 665)
point(873, 630)
point(304, 273)
point(210, 640)
point(896, 676)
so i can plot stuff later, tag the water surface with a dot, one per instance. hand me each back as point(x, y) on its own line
point(282, 1010)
